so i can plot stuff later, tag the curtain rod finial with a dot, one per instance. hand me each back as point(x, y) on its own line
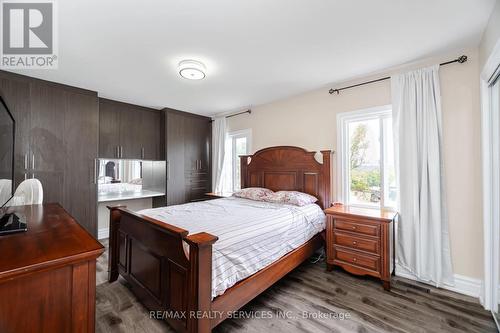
point(462, 59)
point(334, 91)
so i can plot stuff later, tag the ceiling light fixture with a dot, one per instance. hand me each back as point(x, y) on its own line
point(192, 70)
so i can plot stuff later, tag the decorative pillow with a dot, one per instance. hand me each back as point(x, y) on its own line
point(253, 193)
point(291, 198)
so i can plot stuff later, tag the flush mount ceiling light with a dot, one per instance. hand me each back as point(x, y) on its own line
point(192, 70)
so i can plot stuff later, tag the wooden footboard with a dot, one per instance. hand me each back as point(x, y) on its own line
point(149, 254)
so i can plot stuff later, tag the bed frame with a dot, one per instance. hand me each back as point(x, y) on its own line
point(149, 254)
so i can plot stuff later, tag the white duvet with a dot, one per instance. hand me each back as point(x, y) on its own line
point(252, 234)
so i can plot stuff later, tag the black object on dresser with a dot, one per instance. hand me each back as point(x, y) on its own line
point(361, 241)
point(187, 151)
point(57, 130)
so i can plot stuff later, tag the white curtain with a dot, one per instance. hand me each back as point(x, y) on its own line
point(218, 151)
point(423, 248)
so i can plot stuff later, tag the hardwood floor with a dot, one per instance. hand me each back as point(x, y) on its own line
point(324, 296)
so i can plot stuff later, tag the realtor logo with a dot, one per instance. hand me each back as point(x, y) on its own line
point(28, 34)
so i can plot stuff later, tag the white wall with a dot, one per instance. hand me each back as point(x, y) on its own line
point(490, 36)
point(103, 212)
point(309, 121)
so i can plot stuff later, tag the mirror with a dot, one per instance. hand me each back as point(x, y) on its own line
point(7, 135)
point(130, 178)
point(119, 176)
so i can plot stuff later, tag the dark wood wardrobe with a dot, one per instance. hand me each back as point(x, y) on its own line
point(188, 140)
point(57, 131)
point(130, 131)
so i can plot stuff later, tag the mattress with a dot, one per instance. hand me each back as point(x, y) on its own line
point(252, 234)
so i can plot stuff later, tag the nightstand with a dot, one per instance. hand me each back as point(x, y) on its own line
point(218, 195)
point(361, 241)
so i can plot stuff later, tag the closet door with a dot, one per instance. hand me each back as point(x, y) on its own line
point(47, 155)
point(64, 133)
point(205, 141)
point(197, 141)
point(150, 135)
point(206, 156)
point(197, 158)
point(109, 129)
point(191, 143)
point(130, 132)
point(81, 132)
point(175, 151)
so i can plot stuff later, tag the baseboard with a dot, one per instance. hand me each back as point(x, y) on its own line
point(463, 284)
point(466, 285)
point(102, 233)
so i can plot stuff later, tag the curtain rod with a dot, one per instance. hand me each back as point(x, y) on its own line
point(460, 60)
point(237, 114)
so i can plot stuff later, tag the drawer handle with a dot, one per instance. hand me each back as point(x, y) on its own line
point(353, 227)
point(354, 259)
point(354, 243)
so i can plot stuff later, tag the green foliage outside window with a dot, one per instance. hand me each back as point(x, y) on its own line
point(364, 180)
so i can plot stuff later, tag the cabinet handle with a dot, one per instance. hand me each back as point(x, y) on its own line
point(95, 172)
point(117, 151)
point(168, 170)
point(354, 243)
point(354, 259)
point(121, 151)
point(142, 153)
point(25, 162)
point(33, 162)
point(354, 227)
point(25, 176)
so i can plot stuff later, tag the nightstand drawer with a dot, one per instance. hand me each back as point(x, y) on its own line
point(366, 229)
point(357, 243)
point(356, 259)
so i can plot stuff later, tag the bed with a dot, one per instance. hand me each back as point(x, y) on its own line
point(174, 263)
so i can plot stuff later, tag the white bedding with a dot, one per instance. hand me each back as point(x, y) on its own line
point(252, 234)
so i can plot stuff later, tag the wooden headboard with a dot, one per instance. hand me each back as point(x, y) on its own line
point(288, 168)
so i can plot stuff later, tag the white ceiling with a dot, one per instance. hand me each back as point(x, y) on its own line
point(256, 51)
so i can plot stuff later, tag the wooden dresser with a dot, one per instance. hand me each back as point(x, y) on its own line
point(47, 274)
point(360, 240)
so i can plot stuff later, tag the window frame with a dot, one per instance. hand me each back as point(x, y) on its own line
point(244, 133)
point(343, 174)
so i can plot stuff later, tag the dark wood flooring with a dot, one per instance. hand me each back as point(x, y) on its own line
point(310, 299)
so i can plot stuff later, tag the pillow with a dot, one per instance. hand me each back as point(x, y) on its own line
point(291, 198)
point(253, 193)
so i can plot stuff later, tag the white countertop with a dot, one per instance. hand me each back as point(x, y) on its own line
point(117, 196)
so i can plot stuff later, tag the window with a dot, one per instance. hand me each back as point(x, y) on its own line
point(237, 143)
point(367, 175)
